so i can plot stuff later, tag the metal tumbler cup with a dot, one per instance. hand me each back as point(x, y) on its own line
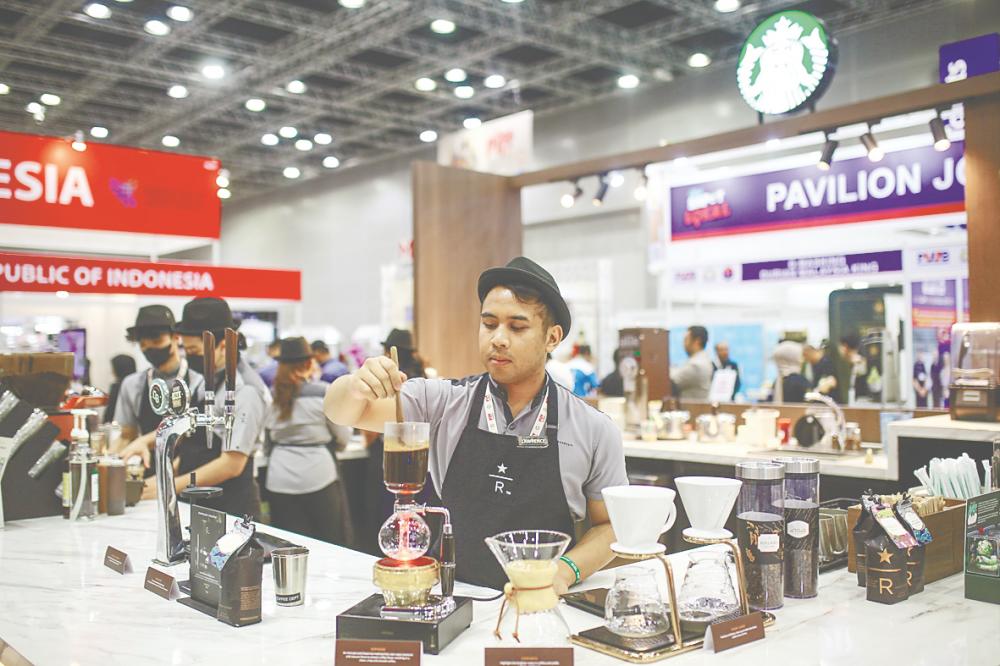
point(290, 567)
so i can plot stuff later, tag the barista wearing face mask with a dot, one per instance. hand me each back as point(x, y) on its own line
point(154, 333)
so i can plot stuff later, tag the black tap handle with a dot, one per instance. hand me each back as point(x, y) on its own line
point(208, 342)
point(232, 351)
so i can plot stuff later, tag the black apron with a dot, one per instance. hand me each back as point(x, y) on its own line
point(239, 494)
point(493, 485)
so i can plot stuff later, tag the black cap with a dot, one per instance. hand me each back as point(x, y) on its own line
point(205, 314)
point(151, 321)
point(521, 270)
point(294, 350)
point(399, 338)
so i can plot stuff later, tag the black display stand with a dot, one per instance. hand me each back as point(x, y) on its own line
point(364, 621)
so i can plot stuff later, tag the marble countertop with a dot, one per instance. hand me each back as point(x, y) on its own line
point(61, 606)
point(730, 453)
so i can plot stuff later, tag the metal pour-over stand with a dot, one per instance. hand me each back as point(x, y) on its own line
point(679, 645)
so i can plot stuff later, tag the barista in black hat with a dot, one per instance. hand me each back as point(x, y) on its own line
point(230, 468)
point(154, 332)
point(510, 449)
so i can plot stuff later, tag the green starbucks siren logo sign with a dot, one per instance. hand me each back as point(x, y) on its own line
point(786, 62)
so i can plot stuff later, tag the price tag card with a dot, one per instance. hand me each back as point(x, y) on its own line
point(529, 656)
point(161, 584)
point(745, 629)
point(383, 653)
point(117, 560)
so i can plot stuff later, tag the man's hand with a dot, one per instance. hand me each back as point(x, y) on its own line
point(378, 378)
point(141, 446)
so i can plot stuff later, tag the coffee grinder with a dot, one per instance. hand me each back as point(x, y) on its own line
point(406, 609)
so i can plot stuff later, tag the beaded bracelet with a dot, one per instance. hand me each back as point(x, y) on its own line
point(572, 565)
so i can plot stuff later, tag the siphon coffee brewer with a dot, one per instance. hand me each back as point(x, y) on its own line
point(760, 526)
point(801, 513)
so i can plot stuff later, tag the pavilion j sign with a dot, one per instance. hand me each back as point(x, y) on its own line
point(786, 63)
point(906, 183)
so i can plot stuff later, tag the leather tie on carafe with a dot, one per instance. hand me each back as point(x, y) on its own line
point(509, 594)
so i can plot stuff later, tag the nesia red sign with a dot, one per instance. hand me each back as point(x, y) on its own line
point(38, 272)
point(44, 182)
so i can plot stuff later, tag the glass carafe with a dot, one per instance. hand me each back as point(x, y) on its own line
point(707, 594)
point(529, 558)
point(634, 607)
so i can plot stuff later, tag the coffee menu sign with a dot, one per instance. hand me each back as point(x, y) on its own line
point(907, 183)
point(45, 182)
point(48, 273)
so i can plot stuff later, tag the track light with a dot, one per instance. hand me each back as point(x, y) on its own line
point(567, 200)
point(941, 141)
point(642, 189)
point(826, 157)
point(875, 152)
point(602, 190)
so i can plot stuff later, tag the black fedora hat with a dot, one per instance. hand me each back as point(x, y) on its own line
point(293, 350)
point(205, 314)
point(399, 338)
point(150, 321)
point(521, 270)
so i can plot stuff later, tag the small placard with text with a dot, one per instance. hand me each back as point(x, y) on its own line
point(383, 653)
point(161, 584)
point(117, 560)
point(739, 631)
point(529, 656)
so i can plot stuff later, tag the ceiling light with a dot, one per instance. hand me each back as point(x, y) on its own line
point(472, 123)
point(323, 139)
point(567, 200)
point(34, 107)
point(464, 92)
point(428, 136)
point(602, 190)
point(826, 156)
point(941, 141)
point(222, 181)
point(699, 60)
point(156, 27)
point(352, 4)
point(4, 89)
point(99, 132)
point(269, 139)
point(726, 6)
point(425, 84)
point(170, 141)
point(97, 10)
point(443, 26)
point(875, 152)
point(331, 162)
point(495, 81)
point(642, 189)
point(455, 75)
point(291, 172)
point(295, 87)
point(177, 92)
point(48, 99)
point(78, 145)
point(303, 145)
point(288, 132)
point(213, 71)
point(180, 13)
point(616, 178)
point(628, 81)
point(255, 104)
point(223, 193)
point(512, 2)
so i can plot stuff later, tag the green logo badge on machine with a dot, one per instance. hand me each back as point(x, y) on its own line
point(787, 62)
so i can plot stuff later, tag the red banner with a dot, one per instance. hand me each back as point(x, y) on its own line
point(45, 182)
point(38, 272)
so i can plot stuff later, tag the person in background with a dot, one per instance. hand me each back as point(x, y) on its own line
point(330, 368)
point(921, 380)
point(791, 385)
point(612, 385)
point(724, 362)
point(304, 489)
point(558, 368)
point(154, 332)
point(818, 368)
point(122, 366)
point(852, 370)
point(693, 379)
point(270, 369)
point(585, 379)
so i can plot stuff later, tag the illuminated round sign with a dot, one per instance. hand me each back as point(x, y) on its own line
point(786, 63)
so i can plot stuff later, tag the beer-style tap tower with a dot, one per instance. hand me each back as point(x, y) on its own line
point(181, 421)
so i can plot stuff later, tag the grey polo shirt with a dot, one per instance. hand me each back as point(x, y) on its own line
point(591, 457)
point(253, 399)
point(133, 391)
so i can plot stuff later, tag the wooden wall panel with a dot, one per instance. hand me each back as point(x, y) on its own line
point(982, 205)
point(463, 223)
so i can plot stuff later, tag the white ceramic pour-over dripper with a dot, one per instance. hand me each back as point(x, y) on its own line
point(639, 515)
point(708, 500)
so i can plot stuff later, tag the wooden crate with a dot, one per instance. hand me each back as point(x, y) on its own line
point(945, 554)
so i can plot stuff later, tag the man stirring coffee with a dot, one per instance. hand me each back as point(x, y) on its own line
point(510, 449)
